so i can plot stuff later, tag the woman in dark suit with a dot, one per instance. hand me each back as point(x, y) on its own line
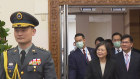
point(103, 67)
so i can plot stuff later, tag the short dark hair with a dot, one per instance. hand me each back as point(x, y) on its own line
point(107, 48)
point(100, 39)
point(127, 36)
point(109, 42)
point(80, 34)
point(116, 33)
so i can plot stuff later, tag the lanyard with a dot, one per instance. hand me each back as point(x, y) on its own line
point(15, 73)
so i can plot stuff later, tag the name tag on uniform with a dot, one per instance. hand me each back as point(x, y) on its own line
point(10, 66)
point(36, 62)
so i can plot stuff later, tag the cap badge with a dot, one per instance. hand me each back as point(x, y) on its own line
point(19, 16)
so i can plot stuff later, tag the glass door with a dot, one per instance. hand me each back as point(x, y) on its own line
point(63, 30)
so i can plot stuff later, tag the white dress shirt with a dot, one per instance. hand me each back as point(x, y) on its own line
point(87, 53)
point(116, 50)
point(129, 56)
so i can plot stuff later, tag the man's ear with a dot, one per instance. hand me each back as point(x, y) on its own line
point(84, 40)
point(131, 44)
point(34, 31)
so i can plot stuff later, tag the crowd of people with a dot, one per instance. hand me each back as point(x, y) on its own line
point(114, 58)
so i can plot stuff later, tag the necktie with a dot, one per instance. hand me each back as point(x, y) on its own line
point(127, 61)
point(118, 50)
point(85, 55)
point(22, 56)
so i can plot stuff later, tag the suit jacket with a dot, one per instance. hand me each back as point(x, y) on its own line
point(113, 52)
point(78, 63)
point(136, 50)
point(134, 66)
point(94, 70)
point(44, 70)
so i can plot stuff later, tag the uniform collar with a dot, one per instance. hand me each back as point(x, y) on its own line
point(26, 50)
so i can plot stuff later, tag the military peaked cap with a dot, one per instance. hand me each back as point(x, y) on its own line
point(23, 19)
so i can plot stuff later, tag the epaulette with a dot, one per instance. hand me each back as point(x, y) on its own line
point(41, 49)
point(11, 48)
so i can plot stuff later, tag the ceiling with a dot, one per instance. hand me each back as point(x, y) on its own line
point(100, 9)
point(98, 13)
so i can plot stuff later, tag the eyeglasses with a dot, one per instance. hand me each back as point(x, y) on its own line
point(116, 40)
point(126, 42)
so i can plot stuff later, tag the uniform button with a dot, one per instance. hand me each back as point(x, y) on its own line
point(34, 70)
point(9, 70)
point(34, 67)
point(22, 72)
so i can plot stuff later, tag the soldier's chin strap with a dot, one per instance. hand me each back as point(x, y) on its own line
point(15, 73)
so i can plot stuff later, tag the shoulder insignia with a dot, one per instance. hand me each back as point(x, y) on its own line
point(11, 48)
point(42, 49)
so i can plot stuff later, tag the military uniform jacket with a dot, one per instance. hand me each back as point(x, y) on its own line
point(38, 64)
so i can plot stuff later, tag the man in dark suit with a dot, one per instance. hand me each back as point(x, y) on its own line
point(136, 50)
point(78, 59)
point(116, 40)
point(26, 61)
point(127, 61)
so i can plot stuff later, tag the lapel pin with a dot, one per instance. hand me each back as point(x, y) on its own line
point(33, 50)
point(15, 50)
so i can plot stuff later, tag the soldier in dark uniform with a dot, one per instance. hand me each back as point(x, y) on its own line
point(26, 61)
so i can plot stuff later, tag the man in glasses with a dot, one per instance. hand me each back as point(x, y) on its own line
point(128, 61)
